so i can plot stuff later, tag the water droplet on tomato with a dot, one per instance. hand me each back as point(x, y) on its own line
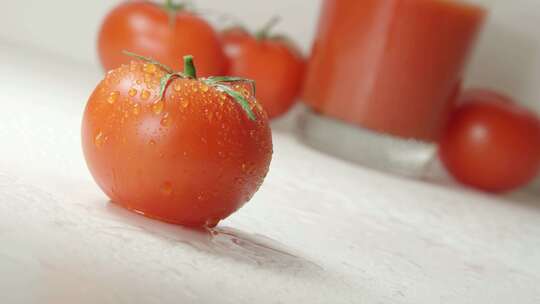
point(132, 92)
point(147, 79)
point(136, 109)
point(152, 142)
point(99, 139)
point(184, 102)
point(194, 88)
point(149, 68)
point(145, 94)
point(211, 223)
point(113, 97)
point(249, 168)
point(177, 87)
point(246, 93)
point(166, 120)
point(201, 197)
point(139, 81)
point(204, 88)
point(167, 188)
point(157, 107)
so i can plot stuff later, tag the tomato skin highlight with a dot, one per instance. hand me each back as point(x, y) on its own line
point(492, 145)
point(275, 65)
point(148, 29)
point(192, 158)
point(232, 38)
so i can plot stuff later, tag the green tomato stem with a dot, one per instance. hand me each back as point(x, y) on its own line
point(264, 32)
point(189, 67)
point(171, 7)
point(190, 72)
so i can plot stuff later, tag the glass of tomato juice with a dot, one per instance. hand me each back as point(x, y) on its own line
point(390, 70)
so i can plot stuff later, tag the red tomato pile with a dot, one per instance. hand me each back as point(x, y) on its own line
point(192, 151)
point(173, 146)
point(168, 32)
point(491, 143)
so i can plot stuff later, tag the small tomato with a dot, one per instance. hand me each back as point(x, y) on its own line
point(272, 61)
point(492, 144)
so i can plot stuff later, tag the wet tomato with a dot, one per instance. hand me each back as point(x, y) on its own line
point(491, 143)
point(272, 61)
point(174, 147)
point(164, 32)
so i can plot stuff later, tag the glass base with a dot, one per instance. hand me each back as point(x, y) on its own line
point(366, 147)
point(534, 187)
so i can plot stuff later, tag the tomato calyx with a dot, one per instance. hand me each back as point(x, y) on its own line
point(264, 32)
point(172, 7)
point(221, 83)
point(236, 27)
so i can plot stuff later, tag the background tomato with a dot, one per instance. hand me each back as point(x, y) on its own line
point(164, 34)
point(191, 158)
point(492, 145)
point(273, 62)
point(232, 38)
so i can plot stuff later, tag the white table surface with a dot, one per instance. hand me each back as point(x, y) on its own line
point(320, 230)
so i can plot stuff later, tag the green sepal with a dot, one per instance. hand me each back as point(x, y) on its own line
point(215, 81)
point(239, 98)
point(227, 79)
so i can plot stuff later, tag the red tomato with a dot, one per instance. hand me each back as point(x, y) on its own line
point(192, 157)
point(232, 38)
point(275, 65)
point(492, 145)
point(164, 34)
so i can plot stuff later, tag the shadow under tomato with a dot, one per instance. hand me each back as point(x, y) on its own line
point(225, 242)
